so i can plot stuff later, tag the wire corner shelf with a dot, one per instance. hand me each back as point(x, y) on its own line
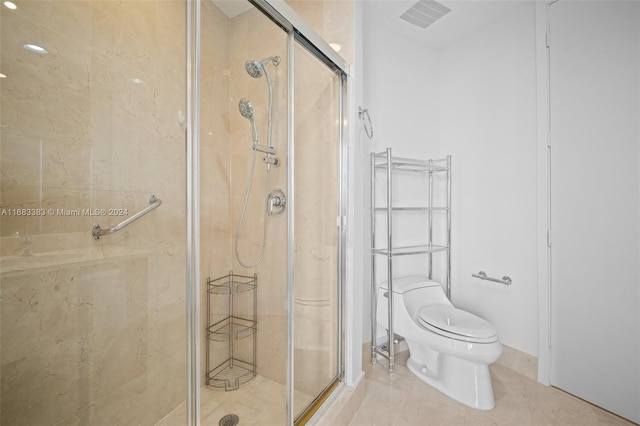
point(232, 339)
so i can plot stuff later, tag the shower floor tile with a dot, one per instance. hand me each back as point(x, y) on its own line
point(405, 400)
point(258, 402)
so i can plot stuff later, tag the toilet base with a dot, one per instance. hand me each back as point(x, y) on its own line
point(464, 381)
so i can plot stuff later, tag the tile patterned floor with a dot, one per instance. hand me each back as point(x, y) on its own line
point(405, 400)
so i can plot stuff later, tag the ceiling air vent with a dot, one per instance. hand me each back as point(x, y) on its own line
point(424, 13)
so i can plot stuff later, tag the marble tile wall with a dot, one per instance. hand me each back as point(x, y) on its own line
point(333, 20)
point(92, 331)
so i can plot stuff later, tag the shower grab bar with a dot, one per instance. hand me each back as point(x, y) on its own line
point(483, 276)
point(98, 232)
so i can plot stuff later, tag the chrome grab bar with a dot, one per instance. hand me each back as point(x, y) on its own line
point(483, 276)
point(98, 232)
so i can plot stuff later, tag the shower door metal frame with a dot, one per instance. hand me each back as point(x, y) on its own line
point(192, 141)
point(298, 32)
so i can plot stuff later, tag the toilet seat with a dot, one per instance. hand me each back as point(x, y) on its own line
point(457, 324)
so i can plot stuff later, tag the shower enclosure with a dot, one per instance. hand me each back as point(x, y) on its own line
point(277, 142)
point(144, 117)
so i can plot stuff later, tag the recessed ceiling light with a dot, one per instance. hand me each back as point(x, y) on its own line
point(10, 5)
point(2, 75)
point(36, 49)
point(335, 46)
point(137, 80)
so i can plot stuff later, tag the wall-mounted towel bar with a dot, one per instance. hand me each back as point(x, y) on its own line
point(98, 232)
point(483, 276)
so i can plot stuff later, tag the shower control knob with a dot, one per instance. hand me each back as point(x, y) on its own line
point(277, 202)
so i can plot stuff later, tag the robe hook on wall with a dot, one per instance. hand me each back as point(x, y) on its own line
point(368, 126)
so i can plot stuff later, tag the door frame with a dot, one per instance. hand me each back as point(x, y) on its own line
point(544, 36)
point(544, 171)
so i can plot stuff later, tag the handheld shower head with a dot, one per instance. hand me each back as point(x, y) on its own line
point(256, 68)
point(246, 110)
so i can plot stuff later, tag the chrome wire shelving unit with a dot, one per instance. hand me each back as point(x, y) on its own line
point(385, 163)
point(231, 330)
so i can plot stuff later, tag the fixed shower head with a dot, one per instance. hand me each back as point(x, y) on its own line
point(246, 108)
point(256, 68)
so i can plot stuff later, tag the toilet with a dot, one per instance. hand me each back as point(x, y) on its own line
point(450, 349)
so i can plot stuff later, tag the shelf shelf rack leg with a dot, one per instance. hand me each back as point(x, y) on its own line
point(449, 227)
point(430, 219)
point(374, 293)
point(390, 331)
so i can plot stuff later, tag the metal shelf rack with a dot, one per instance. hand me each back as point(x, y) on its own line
point(231, 316)
point(385, 162)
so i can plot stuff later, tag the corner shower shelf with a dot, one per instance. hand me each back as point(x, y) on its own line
point(231, 374)
point(230, 286)
point(229, 347)
point(231, 328)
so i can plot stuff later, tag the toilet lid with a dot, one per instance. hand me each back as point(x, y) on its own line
point(457, 324)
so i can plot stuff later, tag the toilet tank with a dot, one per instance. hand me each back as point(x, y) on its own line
point(402, 285)
point(411, 293)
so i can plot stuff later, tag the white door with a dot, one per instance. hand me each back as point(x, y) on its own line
point(595, 190)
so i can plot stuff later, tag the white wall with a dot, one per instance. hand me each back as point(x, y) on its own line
point(401, 94)
point(488, 125)
point(401, 89)
point(475, 100)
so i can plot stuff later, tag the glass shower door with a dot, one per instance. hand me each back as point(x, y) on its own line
point(92, 94)
point(243, 130)
point(316, 243)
